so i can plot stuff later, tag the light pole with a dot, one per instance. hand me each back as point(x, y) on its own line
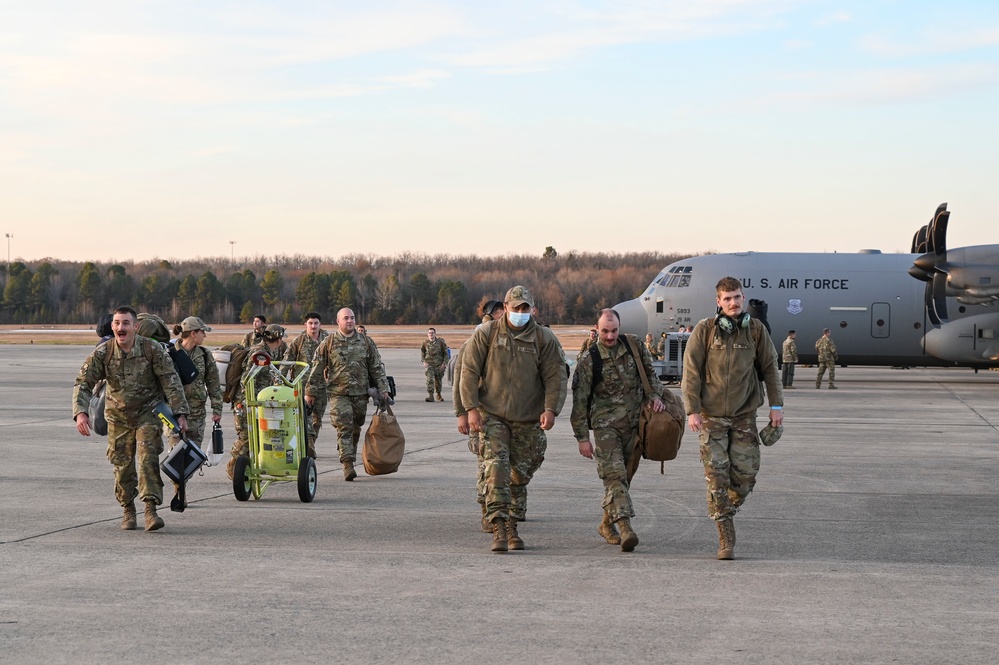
point(232, 251)
point(9, 236)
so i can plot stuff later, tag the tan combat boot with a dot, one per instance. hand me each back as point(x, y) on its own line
point(439, 398)
point(230, 466)
point(430, 397)
point(629, 539)
point(128, 521)
point(487, 526)
point(608, 530)
point(348, 471)
point(513, 539)
point(500, 540)
point(726, 540)
point(153, 521)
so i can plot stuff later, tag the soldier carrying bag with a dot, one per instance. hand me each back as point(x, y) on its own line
point(659, 433)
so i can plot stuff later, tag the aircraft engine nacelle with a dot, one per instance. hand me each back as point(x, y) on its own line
point(972, 339)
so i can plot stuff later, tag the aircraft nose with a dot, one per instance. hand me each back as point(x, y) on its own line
point(634, 318)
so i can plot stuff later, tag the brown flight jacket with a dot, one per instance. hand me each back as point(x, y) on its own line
point(514, 379)
point(720, 371)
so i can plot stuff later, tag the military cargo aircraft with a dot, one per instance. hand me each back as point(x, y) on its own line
point(933, 307)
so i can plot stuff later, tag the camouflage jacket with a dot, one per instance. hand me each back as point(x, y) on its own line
point(654, 349)
point(303, 349)
point(516, 376)
point(826, 349)
point(345, 366)
point(617, 398)
point(456, 386)
point(136, 382)
point(789, 351)
point(252, 338)
point(434, 353)
point(720, 371)
point(207, 386)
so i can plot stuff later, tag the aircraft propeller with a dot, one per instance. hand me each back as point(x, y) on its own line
point(932, 267)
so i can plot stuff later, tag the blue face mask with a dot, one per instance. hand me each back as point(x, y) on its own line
point(518, 319)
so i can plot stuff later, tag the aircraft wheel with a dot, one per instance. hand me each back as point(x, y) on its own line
point(240, 479)
point(308, 477)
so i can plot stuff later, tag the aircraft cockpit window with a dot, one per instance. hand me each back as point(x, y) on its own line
point(678, 276)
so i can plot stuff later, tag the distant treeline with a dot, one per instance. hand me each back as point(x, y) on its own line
point(404, 289)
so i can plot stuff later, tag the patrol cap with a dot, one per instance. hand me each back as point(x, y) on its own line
point(192, 323)
point(273, 332)
point(770, 434)
point(519, 295)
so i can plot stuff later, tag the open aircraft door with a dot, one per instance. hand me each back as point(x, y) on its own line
point(880, 319)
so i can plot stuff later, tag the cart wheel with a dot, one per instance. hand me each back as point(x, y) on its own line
point(256, 487)
point(240, 480)
point(307, 479)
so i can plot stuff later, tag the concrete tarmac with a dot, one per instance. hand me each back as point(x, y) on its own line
point(871, 538)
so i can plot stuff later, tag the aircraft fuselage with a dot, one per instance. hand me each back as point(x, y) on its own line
point(872, 305)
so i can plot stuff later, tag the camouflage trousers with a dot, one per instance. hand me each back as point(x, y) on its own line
point(730, 452)
point(435, 377)
point(131, 447)
point(519, 499)
point(787, 374)
point(314, 422)
point(614, 446)
point(242, 444)
point(347, 414)
point(822, 370)
point(511, 454)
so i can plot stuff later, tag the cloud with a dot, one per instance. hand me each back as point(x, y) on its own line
point(833, 19)
point(891, 85)
point(574, 32)
point(937, 42)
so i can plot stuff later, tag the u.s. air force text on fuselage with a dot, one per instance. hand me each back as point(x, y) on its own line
point(807, 283)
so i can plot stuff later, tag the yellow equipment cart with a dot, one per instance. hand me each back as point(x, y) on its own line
point(275, 421)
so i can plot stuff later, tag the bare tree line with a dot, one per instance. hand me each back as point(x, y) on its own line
point(407, 288)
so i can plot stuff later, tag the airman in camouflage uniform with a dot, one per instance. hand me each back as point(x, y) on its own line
point(344, 366)
point(723, 363)
point(255, 336)
point(655, 351)
point(303, 349)
point(789, 356)
point(610, 407)
point(139, 375)
point(826, 349)
point(512, 379)
point(273, 345)
point(591, 339)
point(433, 355)
point(206, 386)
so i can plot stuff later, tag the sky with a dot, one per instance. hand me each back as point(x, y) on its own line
point(140, 129)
